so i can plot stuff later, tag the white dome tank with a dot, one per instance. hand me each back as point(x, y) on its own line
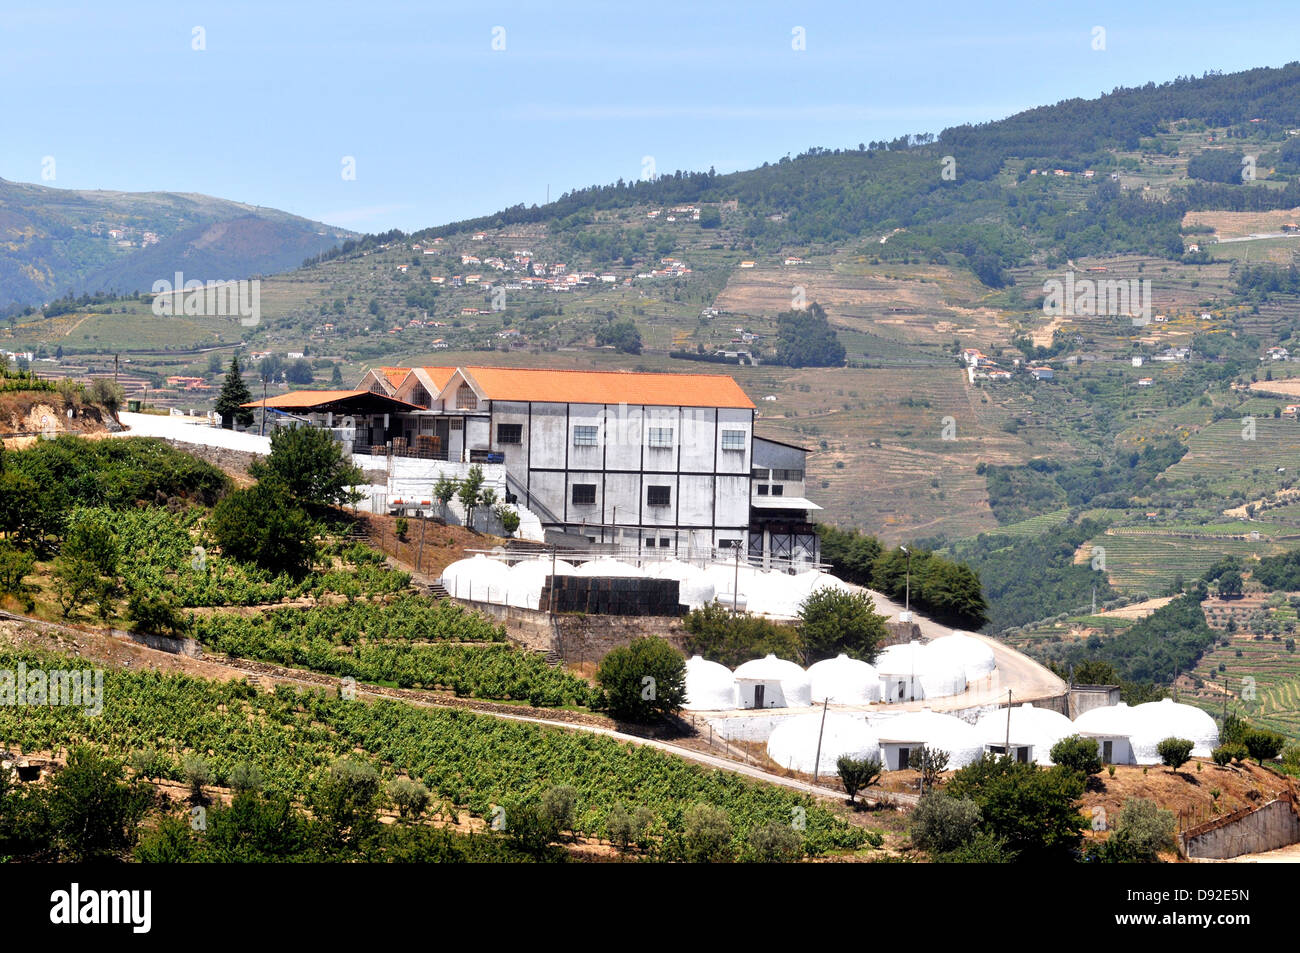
point(794, 742)
point(710, 686)
point(844, 680)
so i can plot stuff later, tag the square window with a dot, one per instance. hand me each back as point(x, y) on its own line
point(762, 489)
point(733, 440)
point(778, 489)
point(658, 495)
point(661, 437)
point(665, 542)
point(584, 494)
point(586, 436)
point(510, 433)
point(650, 542)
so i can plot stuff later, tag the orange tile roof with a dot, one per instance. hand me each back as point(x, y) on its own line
point(395, 375)
point(609, 387)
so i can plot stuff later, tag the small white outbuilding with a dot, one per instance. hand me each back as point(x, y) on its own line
point(1112, 726)
point(794, 743)
point(771, 682)
point(844, 681)
point(913, 671)
point(902, 734)
point(710, 686)
point(1033, 732)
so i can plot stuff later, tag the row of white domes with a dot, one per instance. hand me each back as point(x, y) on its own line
point(764, 592)
point(902, 672)
point(794, 743)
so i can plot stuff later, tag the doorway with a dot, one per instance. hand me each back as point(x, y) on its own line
point(758, 695)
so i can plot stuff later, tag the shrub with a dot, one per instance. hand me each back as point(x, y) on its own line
point(929, 763)
point(1263, 745)
point(1174, 752)
point(775, 843)
point(1222, 754)
point(708, 835)
point(833, 621)
point(1078, 754)
point(941, 823)
point(858, 774)
point(401, 527)
point(559, 806)
point(410, 796)
point(1142, 831)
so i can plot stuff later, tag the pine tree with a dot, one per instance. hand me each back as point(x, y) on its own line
point(234, 393)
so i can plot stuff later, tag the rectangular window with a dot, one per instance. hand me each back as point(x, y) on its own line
point(658, 495)
point(665, 542)
point(661, 437)
point(585, 436)
point(584, 494)
point(762, 489)
point(733, 440)
point(650, 542)
point(778, 489)
point(510, 433)
point(457, 423)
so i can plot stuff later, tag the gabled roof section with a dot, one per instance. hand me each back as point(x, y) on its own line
point(319, 399)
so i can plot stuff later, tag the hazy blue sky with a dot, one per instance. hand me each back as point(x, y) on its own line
point(442, 126)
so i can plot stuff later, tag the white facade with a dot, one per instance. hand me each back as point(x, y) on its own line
point(771, 682)
point(1033, 732)
point(901, 735)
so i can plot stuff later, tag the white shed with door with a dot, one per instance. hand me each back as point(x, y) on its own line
point(1033, 732)
point(902, 734)
point(771, 682)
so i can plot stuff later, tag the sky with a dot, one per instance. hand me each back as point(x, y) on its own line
point(381, 114)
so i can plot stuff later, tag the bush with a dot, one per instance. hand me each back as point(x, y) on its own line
point(832, 621)
point(262, 525)
point(1142, 831)
point(940, 823)
point(1263, 745)
point(929, 763)
point(410, 796)
point(775, 843)
point(644, 680)
point(309, 463)
point(719, 635)
point(1078, 754)
point(401, 527)
point(1174, 752)
point(708, 835)
point(1222, 754)
point(197, 773)
point(559, 806)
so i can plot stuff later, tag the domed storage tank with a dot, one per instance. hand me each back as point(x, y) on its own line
point(1169, 719)
point(478, 578)
point(844, 681)
point(794, 742)
point(1113, 726)
point(608, 567)
point(528, 577)
point(900, 668)
point(771, 682)
point(710, 686)
point(901, 734)
point(973, 655)
point(1033, 732)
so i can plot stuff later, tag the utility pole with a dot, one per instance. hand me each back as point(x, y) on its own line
point(115, 357)
point(1007, 749)
point(735, 585)
point(420, 554)
point(817, 764)
point(262, 431)
point(1094, 600)
point(550, 602)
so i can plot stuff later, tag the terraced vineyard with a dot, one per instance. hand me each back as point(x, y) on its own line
point(471, 760)
point(1276, 682)
point(1143, 560)
point(1220, 459)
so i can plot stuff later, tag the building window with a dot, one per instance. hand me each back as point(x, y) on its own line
point(733, 440)
point(661, 437)
point(586, 436)
point(584, 494)
point(458, 423)
point(728, 544)
point(658, 495)
point(510, 433)
point(665, 542)
point(762, 489)
point(466, 398)
point(650, 542)
point(778, 489)
point(419, 396)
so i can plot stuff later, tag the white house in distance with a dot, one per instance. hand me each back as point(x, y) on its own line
point(655, 462)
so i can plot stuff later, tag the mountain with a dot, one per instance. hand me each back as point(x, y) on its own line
point(55, 241)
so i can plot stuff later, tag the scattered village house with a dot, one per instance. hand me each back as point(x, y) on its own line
point(653, 462)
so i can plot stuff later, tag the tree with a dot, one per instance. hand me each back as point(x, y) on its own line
point(941, 823)
point(930, 763)
point(858, 774)
point(309, 463)
point(621, 334)
point(1263, 745)
point(345, 804)
point(718, 634)
point(559, 805)
point(198, 772)
point(1078, 754)
point(509, 518)
point(14, 565)
point(234, 394)
point(108, 394)
point(832, 621)
point(1174, 752)
point(708, 835)
point(1142, 831)
point(93, 811)
point(644, 680)
point(76, 581)
point(262, 525)
point(806, 339)
point(410, 796)
point(1035, 811)
point(299, 372)
point(1230, 584)
point(443, 491)
point(470, 491)
point(156, 613)
point(336, 377)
